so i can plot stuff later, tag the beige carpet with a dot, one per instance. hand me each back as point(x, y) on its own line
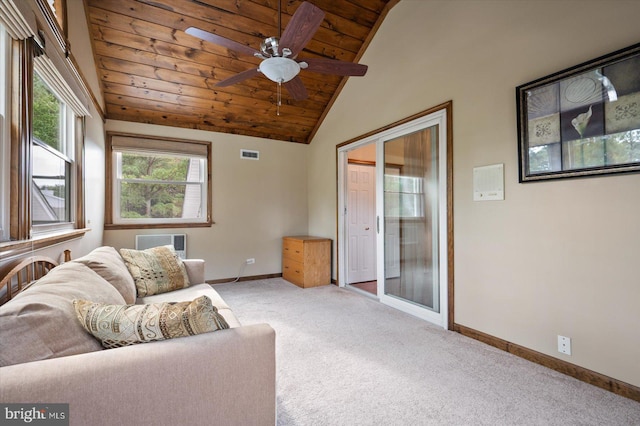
point(345, 359)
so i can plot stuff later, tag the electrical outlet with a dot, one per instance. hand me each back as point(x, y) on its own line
point(251, 261)
point(564, 345)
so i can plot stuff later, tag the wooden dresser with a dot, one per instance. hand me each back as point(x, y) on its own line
point(306, 261)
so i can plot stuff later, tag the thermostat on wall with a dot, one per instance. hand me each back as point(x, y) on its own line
point(488, 183)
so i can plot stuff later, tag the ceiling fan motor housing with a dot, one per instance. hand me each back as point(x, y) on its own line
point(269, 47)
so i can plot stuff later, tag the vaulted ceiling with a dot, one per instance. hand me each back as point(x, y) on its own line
point(151, 71)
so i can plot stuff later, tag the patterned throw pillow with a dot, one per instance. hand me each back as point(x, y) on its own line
point(124, 325)
point(155, 270)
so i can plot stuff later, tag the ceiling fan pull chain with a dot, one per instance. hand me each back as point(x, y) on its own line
point(279, 100)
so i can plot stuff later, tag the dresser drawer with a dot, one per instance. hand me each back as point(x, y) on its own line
point(293, 271)
point(306, 260)
point(293, 249)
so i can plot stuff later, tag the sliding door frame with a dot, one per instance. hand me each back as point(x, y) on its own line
point(342, 160)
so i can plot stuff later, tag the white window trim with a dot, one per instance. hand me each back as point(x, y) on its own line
point(68, 150)
point(48, 72)
point(117, 179)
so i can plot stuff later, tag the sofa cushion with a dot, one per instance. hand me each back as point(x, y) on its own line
point(190, 293)
point(40, 322)
point(187, 294)
point(155, 270)
point(107, 263)
point(124, 325)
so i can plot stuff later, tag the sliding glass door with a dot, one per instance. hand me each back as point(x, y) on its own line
point(410, 186)
point(412, 221)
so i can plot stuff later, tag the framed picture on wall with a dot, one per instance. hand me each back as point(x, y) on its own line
point(581, 121)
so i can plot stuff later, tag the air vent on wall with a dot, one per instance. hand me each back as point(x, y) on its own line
point(249, 155)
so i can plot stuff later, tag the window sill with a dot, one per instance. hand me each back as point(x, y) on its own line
point(15, 248)
point(111, 226)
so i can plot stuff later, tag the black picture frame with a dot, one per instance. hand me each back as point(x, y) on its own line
point(581, 121)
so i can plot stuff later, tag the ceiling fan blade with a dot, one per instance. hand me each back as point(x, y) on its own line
point(296, 89)
point(334, 66)
point(221, 41)
point(244, 75)
point(303, 25)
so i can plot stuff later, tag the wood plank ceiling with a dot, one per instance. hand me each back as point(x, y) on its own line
point(152, 72)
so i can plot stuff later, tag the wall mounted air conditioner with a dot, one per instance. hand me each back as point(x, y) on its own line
point(178, 241)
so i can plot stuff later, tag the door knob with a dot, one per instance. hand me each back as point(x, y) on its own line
point(366, 229)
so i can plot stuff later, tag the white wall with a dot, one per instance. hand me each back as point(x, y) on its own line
point(81, 46)
point(554, 257)
point(94, 138)
point(255, 203)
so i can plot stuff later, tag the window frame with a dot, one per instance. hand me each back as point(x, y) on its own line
point(415, 193)
point(126, 142)
point(22, 235)
point(5, 133)
point(66, 153)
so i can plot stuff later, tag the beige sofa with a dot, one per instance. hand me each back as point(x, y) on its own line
point(225, 377)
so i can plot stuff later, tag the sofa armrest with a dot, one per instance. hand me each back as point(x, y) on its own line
point(195, 270)
point(225, 377)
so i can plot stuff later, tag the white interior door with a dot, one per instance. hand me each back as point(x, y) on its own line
point(361, 220)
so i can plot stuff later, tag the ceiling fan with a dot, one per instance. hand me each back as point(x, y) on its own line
point(279, 54)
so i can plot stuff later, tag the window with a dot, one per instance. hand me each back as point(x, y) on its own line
point(159, 186)
point(41, 142)
point(50, 167)
point(404, 195)
point(157, 182)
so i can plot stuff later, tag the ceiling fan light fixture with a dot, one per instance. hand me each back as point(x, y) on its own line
point(279, 69)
